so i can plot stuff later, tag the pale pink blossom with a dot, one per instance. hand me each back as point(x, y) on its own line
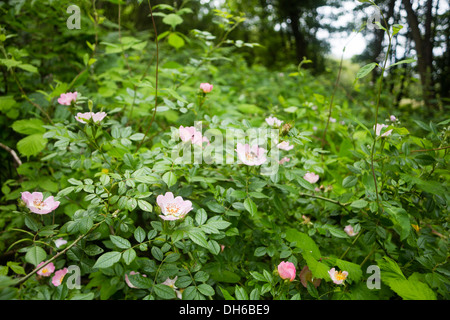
point(190, 134)
point(47, 270)
point(349, 230)
point(251, 155)
point(393, 118)
point(333, 120)
point(59, 276)
point(338, 277)
point(206, 87)
point(273, 121)
point(311, 177)
point(96, 117)
point(171, 283)
point(173, 208)
point(60, 242)
point(284, 145)
point(127, 280)
point(67, 98)
point(286, 270)
point(34, 201)
point(379, 128)
point(285, 159)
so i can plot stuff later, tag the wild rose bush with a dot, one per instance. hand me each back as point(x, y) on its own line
point(102, 209)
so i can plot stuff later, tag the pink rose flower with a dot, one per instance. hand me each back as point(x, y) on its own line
point(206, 87)
point(173, 208)
point(47, 270)
point(285, 159)
point(251, 155)
point(349, 230)
point(96, 117)
point(311, 177)
point(59, 276)
point(34, 202)
point(127, 280)
point(286, 270)
point(67, 98)
point(338, 277)
point(191, 134)
point(273, 121)
point(285, 146)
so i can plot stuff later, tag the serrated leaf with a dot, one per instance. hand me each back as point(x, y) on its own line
point(120, 242)
point(198, 237)
point(206, 289)
point(250, 206)
point(129, 256)
point(164, 292)
point(139, 234)
point(107, 259)
point(35, 255)
point(32, 145)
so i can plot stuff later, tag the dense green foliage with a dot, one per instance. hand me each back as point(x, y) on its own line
point(393, 188)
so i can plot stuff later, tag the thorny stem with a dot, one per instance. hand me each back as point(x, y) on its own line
point(23, 279)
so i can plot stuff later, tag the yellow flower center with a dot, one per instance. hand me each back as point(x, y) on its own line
point(38, 204)
point(45, 270)
point(250, 156)
point(172, 209)
point(339, 275)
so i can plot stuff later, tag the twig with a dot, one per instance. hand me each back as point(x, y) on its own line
point(13, 154)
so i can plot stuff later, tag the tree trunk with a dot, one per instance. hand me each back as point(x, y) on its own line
point(424, 49)
point(300, 44)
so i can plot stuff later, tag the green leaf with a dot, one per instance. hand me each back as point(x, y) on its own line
point(206, 289)
point(359, 204)
point(240, 293)
point(172, 20)
point(226, 294)
point(145, 205)
point(412, 289)
point(129, 256)
point(318, 269)
point(139, 234)
point(335, 231)
point(201, 216)
point(349, 181)
point(157, 253)
point(120, 242)
point(305, 184)
point(175, 40)
point(28, 67)
point(400, 218)
point(250, 206)
point(304, 242)
point(410, 60)
point(35, 255)
point(365, 70)
point(32, 145)
point(169, 178)
point(198, 237)
point(164, 292)
point(29, 126)
point(107, 259)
